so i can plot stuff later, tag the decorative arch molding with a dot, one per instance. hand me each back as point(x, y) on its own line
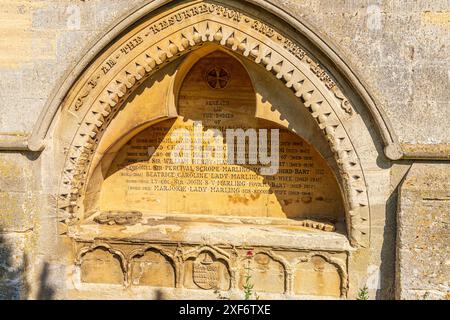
point(105, 85)
point(99, 245)
point(320, 42)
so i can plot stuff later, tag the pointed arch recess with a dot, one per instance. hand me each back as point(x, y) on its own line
point(106, 84)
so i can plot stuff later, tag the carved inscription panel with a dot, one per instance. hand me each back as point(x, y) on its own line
point(101, 266)
point(152, 269)
point(317, 277)
point(216, 96)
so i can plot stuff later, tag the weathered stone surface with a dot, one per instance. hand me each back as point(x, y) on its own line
point(398, 48)
point(423, 233)
point(148, 181)
point(383, 42)
point(329, 242)
point(17, 211)
point(139, 194)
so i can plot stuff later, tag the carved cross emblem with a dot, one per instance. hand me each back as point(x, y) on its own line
point(217, 78)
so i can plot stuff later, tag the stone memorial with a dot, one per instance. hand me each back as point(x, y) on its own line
point(189, 196)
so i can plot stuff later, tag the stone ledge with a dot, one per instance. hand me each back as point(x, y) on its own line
point(239, 235)
point(94, 291)
point(14, 141)
point(438, 151)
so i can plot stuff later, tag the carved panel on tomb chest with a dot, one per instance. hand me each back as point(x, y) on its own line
point(317, 277)
point(267, 274)
point(101, 266)
point(151, 268)
point(206, 272)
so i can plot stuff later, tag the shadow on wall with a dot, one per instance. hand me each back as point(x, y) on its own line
point(14, 284)
point(46, 291)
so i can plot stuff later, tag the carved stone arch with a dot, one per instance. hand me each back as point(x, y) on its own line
point(339, 264)
point(183, 68)
point(142, 250)
point(216, 252)
point(196, 272)
point(99, 93)
point(319, 44)
point(270, 253)
point(278, 258)
point(286, 271)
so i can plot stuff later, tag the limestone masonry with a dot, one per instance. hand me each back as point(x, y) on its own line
point(184, 149)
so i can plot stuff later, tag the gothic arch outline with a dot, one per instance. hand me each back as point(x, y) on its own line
point(95, 98)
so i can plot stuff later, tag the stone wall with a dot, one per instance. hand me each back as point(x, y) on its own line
point(398, 49)
point(423, 233)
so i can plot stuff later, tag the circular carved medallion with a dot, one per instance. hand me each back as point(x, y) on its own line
point(217, 78)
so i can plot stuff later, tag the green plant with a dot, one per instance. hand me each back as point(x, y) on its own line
point(248, 285)
point(363, 294)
